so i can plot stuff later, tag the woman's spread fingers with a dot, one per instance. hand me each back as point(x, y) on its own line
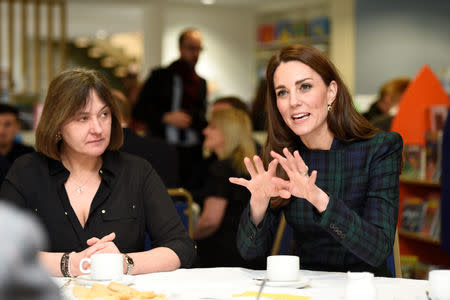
point(300, 164)
point(258, 164)
point(250, 168)
point(239, 181)
point(272, 168)
point(290, 160)
point(313, 177)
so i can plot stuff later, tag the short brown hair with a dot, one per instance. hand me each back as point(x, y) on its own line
point(67, 94)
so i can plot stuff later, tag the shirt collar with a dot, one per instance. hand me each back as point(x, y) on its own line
point(109, 169)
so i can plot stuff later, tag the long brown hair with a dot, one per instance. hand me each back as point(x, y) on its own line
point(343, 119)
point(67, 94)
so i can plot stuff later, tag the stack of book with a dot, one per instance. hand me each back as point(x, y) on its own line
point(424, 162)
point(422, 215)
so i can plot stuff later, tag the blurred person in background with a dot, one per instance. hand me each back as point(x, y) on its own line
point(90, 197)
point(333, 175)
point(10, 148)
point(228, 135)
point(161, 155)
point(383, 110)
point(21, 274)
point(172, 104)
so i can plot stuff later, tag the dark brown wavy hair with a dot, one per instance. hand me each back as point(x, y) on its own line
point(343, 119)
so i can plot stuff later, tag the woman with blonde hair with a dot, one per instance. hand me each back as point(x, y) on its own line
point(229, 136)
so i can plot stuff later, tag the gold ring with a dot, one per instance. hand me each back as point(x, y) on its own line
point(305, 173)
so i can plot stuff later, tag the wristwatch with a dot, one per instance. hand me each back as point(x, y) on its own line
point(130, 264)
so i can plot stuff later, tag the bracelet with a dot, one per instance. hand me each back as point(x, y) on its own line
point(65, 264)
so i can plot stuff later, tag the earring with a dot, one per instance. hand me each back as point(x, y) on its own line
point(58, 137)
point(329, 107)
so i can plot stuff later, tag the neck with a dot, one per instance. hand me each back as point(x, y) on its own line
point(80, 164)
point(322, 141)
point(5, 148)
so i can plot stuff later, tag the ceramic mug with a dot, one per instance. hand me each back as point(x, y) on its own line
point(283, 268)
point(360, 285)
point(104, 266)
point(439, 284)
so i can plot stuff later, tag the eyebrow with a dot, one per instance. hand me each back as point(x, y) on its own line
point(86, 113)
point(296, 83)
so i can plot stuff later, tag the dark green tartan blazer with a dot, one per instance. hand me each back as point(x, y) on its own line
point(356, 231)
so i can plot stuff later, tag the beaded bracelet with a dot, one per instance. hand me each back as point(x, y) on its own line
point(65, 264)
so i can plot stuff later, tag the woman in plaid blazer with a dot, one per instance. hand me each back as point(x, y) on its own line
point(335, 177)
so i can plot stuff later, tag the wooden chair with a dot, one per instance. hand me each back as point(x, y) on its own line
point(396, 252)
point(184, 209)
point(283, 238)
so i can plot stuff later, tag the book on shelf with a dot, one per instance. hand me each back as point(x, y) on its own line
point(284, 30)
point(438, 115)
point(266, 33)
point(414, 162)
point(435, 230)
point(433, 147)
point(414, 209)
point(431, 216)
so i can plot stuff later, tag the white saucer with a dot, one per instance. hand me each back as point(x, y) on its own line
point(87, 280)
point(302, 282)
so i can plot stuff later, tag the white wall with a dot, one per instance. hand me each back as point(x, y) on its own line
point(227, 60)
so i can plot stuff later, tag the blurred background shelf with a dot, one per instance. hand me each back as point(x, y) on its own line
point(418, 237)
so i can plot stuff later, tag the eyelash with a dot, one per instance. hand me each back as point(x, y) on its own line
point(303, 87)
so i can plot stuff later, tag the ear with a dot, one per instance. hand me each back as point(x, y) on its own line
point(332, 92)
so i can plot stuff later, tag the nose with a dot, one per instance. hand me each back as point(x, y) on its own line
point(96, 126)
point(294, 99)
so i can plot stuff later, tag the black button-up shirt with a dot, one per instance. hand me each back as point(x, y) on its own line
point(130, 201)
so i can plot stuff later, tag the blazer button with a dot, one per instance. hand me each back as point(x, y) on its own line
point(103, 211)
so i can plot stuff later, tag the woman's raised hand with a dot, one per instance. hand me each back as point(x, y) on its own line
point(300, 184)
point(260, 185)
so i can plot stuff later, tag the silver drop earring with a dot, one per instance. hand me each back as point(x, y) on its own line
point(329, 107)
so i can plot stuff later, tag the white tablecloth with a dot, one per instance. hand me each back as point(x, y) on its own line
point(224, 283)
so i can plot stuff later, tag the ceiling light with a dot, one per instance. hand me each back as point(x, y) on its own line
point(208, 2)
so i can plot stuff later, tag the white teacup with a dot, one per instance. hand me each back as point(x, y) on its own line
point(283, 268)
point(439, 284)
point(360, 285)
point(104, 266)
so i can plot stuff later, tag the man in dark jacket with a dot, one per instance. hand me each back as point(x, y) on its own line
point(172, 104)
point(10, 149)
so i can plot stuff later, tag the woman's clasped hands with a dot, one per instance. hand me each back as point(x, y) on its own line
point(96, 245)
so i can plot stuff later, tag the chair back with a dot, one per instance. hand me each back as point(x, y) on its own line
point(396, 251)
point(283, 238)
point(184, 208)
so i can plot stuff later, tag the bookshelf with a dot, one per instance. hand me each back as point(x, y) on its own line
point(418, 182)
point(423, 92)
point(418, 237)
point(307, 24)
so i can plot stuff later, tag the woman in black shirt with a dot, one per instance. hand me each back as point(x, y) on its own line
point(91, 198)
point(229, 137)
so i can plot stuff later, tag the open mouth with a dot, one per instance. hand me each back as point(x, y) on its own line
point(301, 116)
